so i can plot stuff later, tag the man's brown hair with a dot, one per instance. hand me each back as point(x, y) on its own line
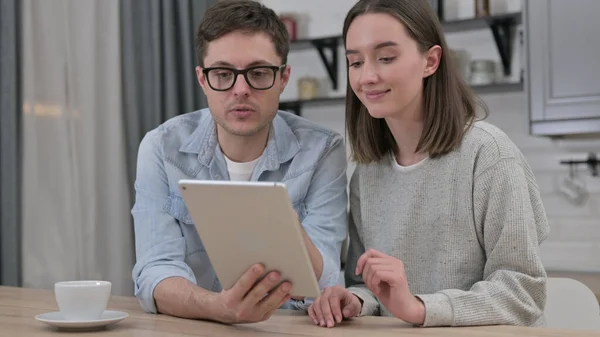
point(249, 16)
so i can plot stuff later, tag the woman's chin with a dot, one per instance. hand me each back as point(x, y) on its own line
point(380, 113)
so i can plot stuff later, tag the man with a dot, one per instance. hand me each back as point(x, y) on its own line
point(242, 50)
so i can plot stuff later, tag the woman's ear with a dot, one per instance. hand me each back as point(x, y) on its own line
point(433, 57)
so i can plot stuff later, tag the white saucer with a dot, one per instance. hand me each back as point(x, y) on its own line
point(56, 319)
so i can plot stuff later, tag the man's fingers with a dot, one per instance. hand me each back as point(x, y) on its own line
point(273, 300)
point(246, 282)
point(274, 303)
point(258, 292)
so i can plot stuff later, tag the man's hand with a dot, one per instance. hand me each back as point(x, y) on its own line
point(385, 277)
point(334, 304)
point(250, 302)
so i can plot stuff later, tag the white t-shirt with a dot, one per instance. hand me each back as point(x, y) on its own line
point(408, 168)
point(240, 171)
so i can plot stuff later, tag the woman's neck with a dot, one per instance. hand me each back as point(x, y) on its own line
point(407, 135)
point(406, 128)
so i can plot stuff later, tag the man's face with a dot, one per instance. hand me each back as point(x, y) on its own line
point(242, 109)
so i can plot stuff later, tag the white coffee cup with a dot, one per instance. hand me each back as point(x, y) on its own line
point(82, 300)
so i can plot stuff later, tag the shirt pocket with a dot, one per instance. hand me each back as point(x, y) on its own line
point(176, 207)
point(297, 187)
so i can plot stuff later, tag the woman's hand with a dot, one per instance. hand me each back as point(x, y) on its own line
point(385, 277)
point(334, 304)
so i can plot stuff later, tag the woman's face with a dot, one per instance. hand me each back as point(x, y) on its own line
point(386, 67)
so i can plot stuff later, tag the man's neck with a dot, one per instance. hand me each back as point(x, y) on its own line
point(242, 149)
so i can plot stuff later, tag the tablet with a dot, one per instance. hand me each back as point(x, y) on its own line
point(244, 223)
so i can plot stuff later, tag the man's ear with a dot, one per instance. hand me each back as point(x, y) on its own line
point(285, 77)
point(201, 78)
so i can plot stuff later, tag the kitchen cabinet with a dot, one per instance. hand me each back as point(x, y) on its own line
point(563, 67)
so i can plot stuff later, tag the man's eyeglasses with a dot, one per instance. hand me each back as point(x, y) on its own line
point(257, 77)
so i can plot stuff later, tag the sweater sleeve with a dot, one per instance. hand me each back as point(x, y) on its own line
point(511, 224)
point(355, 284)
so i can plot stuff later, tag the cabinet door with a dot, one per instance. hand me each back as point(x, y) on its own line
point(563, 39)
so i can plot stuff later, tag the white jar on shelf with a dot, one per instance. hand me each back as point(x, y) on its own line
point(308, 88)
point(483, 72)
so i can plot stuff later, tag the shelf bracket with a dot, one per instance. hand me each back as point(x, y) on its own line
point(592, 162)
point(503, 31)
point(294, 107)
point(331, 65)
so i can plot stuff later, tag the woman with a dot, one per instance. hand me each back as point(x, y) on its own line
point(446, 217)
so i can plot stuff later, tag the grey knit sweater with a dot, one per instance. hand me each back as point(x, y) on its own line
point(467, 227)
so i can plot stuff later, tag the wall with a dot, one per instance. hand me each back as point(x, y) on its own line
point(574, 242)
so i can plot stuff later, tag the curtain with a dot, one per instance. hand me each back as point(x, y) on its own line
point(97, 75)
point(10, 159)
point(76, 203)
point(158, 55)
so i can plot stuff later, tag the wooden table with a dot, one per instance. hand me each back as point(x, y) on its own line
point(18, 306)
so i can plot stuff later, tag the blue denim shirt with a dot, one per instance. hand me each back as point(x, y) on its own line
point(309, 159)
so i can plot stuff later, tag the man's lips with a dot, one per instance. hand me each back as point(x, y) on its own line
point(242, 111)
